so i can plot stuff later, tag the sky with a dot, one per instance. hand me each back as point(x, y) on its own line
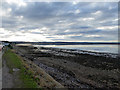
point(59, 21)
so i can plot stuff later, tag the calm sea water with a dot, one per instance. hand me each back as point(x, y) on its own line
point(95, 48)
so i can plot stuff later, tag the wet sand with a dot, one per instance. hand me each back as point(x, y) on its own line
point(75, 69)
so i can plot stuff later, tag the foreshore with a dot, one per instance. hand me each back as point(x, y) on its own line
point(75, 68)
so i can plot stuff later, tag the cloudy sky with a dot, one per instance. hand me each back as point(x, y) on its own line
point(59, 21)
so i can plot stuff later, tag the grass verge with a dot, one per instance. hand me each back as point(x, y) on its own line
point(13, 61)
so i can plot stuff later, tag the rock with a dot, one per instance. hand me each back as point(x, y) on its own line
point(35, 48)
point(15, 69)
point(65, 62)
point(23, 55)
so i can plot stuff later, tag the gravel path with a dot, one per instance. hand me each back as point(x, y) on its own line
point(7, 78)
point(0, 69)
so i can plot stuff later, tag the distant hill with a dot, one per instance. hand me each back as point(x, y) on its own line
point(65, 43)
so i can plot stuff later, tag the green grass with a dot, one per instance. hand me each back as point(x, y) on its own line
point(27, 79)
point(13, 61)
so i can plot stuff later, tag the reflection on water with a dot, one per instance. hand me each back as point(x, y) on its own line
point(95, 48)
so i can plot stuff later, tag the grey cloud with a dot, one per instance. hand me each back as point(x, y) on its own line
point(37, 15)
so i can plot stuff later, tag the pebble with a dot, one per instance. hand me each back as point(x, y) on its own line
point(15, 69)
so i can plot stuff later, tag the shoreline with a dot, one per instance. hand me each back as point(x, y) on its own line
point(73, 69)
point(78, 51)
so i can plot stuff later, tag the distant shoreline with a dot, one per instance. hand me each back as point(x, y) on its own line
point(90, 52)
point(64, 43)
point(77, 51)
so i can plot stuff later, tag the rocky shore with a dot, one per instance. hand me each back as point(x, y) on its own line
point(75, 68)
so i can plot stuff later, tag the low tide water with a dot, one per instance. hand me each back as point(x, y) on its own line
point(94, 48)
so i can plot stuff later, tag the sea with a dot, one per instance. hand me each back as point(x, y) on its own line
point(94, 48)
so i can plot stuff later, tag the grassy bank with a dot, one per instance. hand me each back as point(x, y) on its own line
point(25, 76)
